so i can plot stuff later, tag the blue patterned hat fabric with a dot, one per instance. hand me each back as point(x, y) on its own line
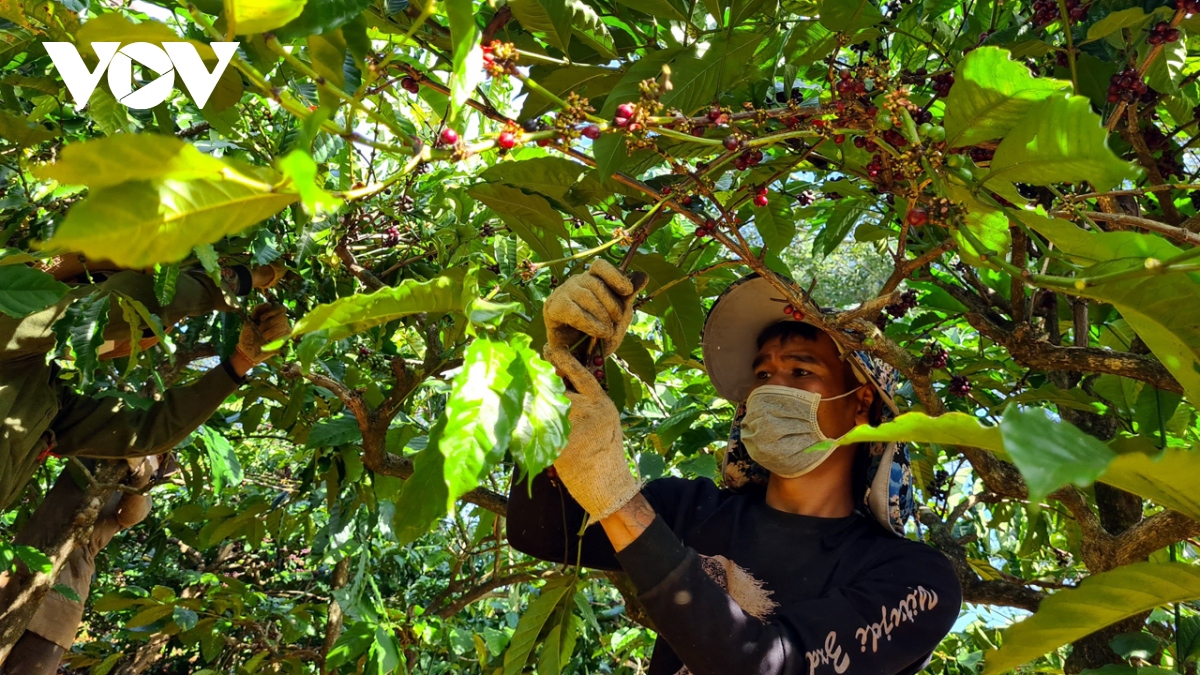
point(731, 331)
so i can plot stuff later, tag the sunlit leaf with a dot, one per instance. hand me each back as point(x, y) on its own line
point(141, 223)
point(1059, 140)
point(1101, 600)
point(260, 16)
point(991, 94)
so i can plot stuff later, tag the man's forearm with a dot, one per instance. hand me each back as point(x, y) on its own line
point(629, 522)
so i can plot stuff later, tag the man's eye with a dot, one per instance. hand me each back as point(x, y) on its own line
point(800, 372)
point(762, 375)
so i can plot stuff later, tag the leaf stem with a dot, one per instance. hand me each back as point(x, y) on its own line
point(1066, 19)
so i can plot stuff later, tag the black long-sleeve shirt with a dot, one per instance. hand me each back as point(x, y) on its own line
point(735, 586)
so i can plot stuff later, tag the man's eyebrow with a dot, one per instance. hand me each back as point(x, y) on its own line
point(802, 357)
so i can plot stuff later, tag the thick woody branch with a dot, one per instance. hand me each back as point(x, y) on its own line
point(1179, 234)
point(361, 273)
point(1032, 351)
point(1000, 592)
point(1135, 138)
point(480, 591)
point(1152, 534)
point(375, 456)
point(1096, 543)
point(906, 270)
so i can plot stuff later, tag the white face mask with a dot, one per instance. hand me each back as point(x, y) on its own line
point(781, 425)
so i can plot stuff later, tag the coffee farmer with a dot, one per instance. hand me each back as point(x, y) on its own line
point(41, 417)
point(797, 563)
point(52, 630)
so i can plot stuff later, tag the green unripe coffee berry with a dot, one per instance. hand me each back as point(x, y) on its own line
point(937, 134)
point(954, 161)
point(924, 129)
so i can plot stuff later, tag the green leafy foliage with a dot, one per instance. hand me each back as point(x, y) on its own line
point(260, 16)
point(1051, 453)
point(1168, 480)
point(24, 290)
point(356, 313)
point(1100, 600)
point(1059, 139)
point(991, 95)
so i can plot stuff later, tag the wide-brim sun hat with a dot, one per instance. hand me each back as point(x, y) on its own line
point(730, 339)
point(730, 343)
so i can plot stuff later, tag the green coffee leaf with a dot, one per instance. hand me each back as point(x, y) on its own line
point(848, 16)
point(1059, 140)
point(467, 58)
point(141, 223)
point(105, 162)
point(1051, 452)
point(259, 16)
point(356, 313)
point(25, 290)
point(990, 96)
point(1101, 600)
point(678, 306)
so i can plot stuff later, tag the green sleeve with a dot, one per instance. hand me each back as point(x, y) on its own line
point(106, 428)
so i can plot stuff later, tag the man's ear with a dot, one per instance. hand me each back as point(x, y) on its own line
point(865, 397)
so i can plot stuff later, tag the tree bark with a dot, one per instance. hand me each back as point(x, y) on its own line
point(333, 626)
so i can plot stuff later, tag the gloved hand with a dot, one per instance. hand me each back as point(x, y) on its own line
point(593, 466)
point(267, 323)
point(597, 303)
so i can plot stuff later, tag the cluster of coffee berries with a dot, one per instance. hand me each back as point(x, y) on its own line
point(760, 197)
point(806, 198)
point(847, 86)
point(598, 364)
point(706, 229)
point(499, 58)
point(894, 138)
point(410, 85)
point(1162, 32)
point(782, 96)
point(535, 124)
point(1047, 11)
point(1126, 86)
point(747, 159)
point(960, 386)
point(630, 117)
point(942, 83)
point(915, 77)
point(936, 357)
point(391, 236)
point(864, 143)
point(982, 154)
point(908, 300)
point(793, 312)
point(1188, 6)
point(874, 167)
point(938, 490)
point(405, 204)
